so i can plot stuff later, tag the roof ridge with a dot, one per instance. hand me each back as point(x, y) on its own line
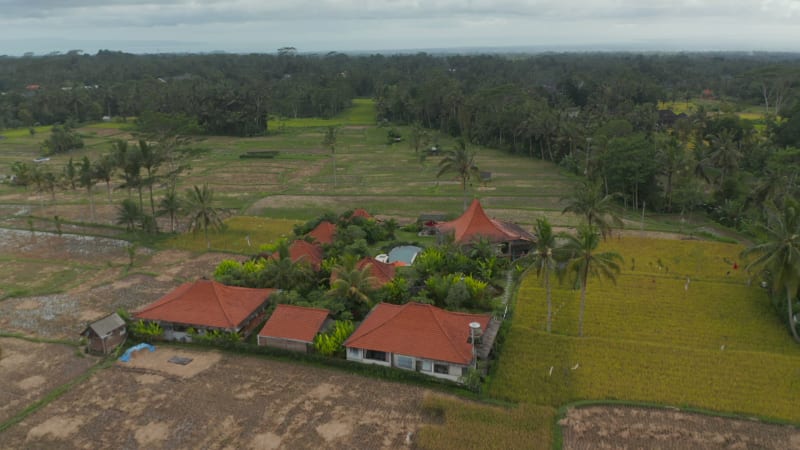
point(444, 330)
point(398, 310)
point(158, 303)
point(217, 297)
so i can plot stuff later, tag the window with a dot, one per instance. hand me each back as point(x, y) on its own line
point(353, 353)
point(404, 362)
point(424, 366)
point(376, 355)
point(441, 368)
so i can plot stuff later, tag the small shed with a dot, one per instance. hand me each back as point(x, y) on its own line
point(294, 327)
point(105, 335)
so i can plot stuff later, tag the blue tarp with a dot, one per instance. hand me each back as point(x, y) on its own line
point(126, 357)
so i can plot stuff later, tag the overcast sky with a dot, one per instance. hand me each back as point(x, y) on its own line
point(143, 26)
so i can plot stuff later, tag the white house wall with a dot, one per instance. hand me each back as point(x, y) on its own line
point(454, 371)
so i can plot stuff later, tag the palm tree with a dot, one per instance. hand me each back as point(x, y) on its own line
point(104, 171)
point(329, 141)
point(128, 214)
point(588, 201)
point(585, 262)
point(87, 179)
point(724, 154)
point(171, 206)
point(672, 158)
point(351, 284)
point(203, 214)
point(779, 255)
point(460, 161)
point(544, 261)
point(151, 159)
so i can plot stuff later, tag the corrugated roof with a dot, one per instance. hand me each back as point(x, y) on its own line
point(295, 322)
point(324, 232)
point(418, 330)
point(206, 303)
point(106, 325)
point(474, 223)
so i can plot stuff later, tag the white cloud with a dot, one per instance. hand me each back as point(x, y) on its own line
point(362, 24)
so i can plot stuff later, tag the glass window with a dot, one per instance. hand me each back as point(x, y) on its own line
point(353, 353)
point(441, 368)
point(427, 366)
point(404, 362)
point(376, 355)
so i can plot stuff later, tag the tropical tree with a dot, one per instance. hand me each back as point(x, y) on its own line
point(329, 142)
point(150, 160)
point(724, 154)
point(129, 214)
point(87, 179)
point(351, 284)
point(585, 262)
point(170, 205)
point(779, 255)
point(543, 260)
point(589, 201)
point(70, 174)
point(203, 215)
point(460, 161)
point(104, 171)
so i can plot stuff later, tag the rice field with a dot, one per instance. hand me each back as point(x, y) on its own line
point(712, 343)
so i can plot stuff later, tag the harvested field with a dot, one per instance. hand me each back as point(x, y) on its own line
point(233, 402)
point(616, 427)
point(29, 370)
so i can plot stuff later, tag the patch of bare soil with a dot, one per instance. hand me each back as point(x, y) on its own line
point(617, 427)
point(28, 370)
point(236, 402)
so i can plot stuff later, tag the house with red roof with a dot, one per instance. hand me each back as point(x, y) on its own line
point(422, 338)
point(294, 328)
point(323, 232)
point(474, 225)
point(301, 251)
point(206, 305)
point(381, 272)
point(361, 212)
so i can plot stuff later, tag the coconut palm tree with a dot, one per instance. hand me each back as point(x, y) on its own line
point(329, 142)
point(589, 201)
point(104, 171)
point(170, 205)
point(128, 214)
point(351, 284)
point(779, 255)
point(203, 215)
point(585, 262)
point(544, 262)
point(725, 153)
point(87, 178)
point(460, 161)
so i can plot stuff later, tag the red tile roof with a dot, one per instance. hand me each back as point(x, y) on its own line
point(361, 212)
point(206, 303)
point(418, 330)
point(295, 322)
point(474, 223)
point(323, 232)
point(382, 272)
point(301, 250)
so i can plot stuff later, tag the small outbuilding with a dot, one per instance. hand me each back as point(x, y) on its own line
point(105, 334)
point(294, 327)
